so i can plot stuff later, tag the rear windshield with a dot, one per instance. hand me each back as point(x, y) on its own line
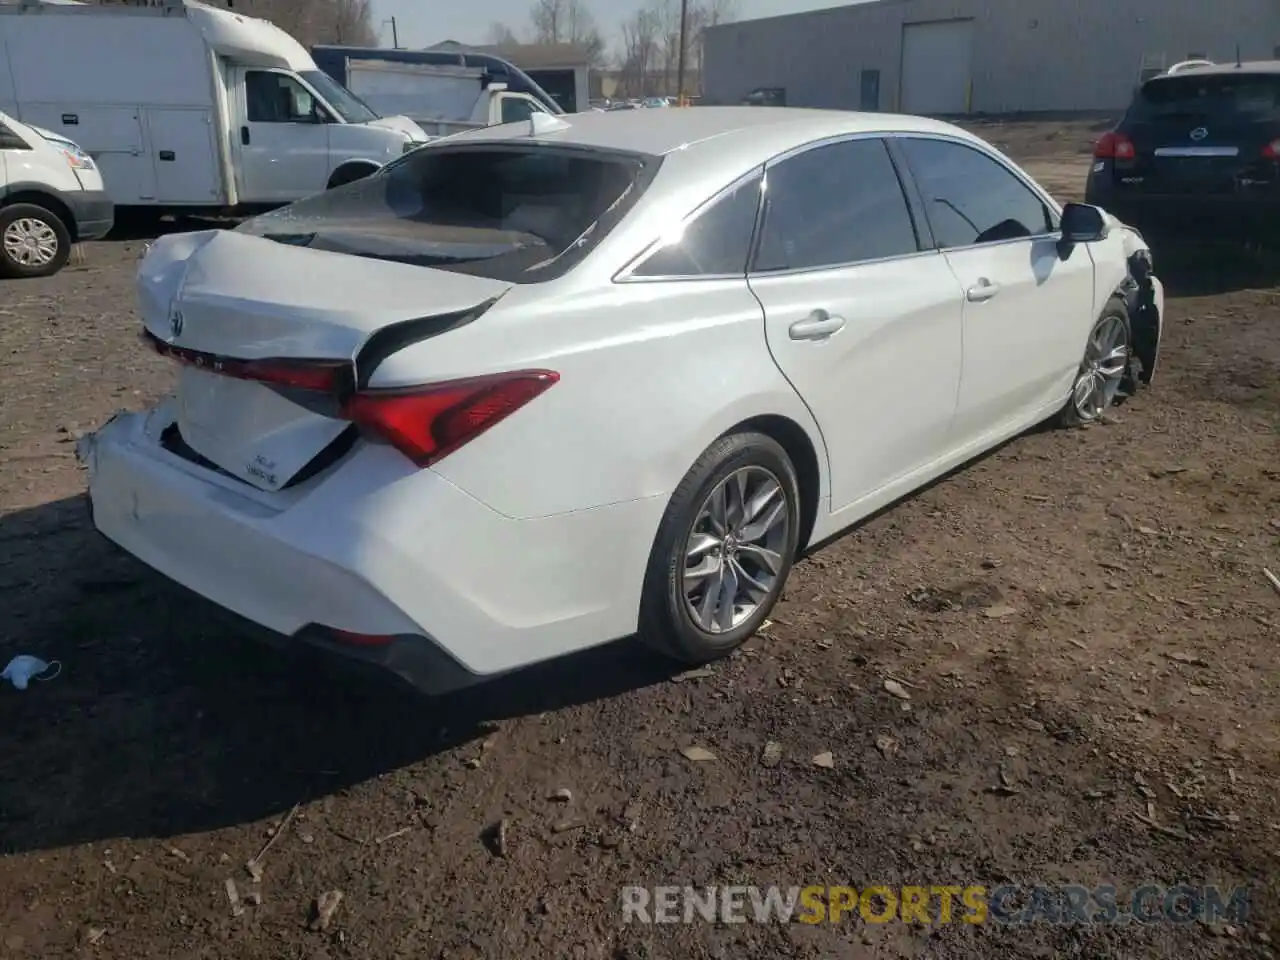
point(519, 213)
point(1248, 97)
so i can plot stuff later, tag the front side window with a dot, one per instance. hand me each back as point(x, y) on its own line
point(518, 213)
point(971, 198)
point(834, 205)
point(715, 243)
point(10, 140)
point(277, 98)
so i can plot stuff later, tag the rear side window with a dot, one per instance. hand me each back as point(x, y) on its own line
point(518, 213)
point(1186, 97)
point(835, 205)
point(11, 141)
point(716, 243)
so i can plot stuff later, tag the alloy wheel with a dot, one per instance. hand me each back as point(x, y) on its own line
point(1106, 358)
point(735, 551)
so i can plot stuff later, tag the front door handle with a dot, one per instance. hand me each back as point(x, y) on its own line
point(982, 291)
point(818, 325)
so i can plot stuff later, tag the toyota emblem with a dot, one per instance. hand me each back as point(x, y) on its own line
point(1199, 133)
point(175, 324)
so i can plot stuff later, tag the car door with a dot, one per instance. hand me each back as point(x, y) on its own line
point(1027, 310)
point(283, 139)
point(862, 320)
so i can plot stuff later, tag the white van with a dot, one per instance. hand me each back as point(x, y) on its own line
point(51, 196)
point(187, 108)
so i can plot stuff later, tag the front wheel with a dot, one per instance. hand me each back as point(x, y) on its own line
point(34, 242)
point(1100, 380)
point(723, 550)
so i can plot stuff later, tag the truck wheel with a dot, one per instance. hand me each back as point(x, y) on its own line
point(34, 242)
point(350, 174)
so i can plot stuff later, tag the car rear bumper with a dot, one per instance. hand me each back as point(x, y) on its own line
point(452, 591)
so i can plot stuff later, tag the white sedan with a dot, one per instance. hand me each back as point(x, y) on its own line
point(539, 386)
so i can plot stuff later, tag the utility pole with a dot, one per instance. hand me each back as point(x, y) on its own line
point(395, 36)
point(684, 25)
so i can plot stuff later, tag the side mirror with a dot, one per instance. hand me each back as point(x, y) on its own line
point(1082, 223)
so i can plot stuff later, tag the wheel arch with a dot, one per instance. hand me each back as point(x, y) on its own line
point(804, 457)
point(48, 201)
point(349, 166)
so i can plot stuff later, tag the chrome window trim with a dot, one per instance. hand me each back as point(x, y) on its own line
point(627, 273)
point(1026, 181)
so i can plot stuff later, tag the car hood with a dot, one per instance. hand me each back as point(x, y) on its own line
point(399, 125)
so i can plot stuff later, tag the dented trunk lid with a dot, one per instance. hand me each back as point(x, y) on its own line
point(234, 296)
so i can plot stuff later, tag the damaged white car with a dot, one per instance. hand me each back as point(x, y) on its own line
point(540, 386)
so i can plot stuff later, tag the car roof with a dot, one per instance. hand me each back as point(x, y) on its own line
point(758, 131)
point(1218, 69)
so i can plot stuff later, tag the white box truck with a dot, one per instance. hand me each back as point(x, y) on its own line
point(190, 108)
point(444, 92)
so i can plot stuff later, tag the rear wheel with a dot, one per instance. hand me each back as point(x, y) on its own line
point(34, 242)
point(1103, 372)
point(723, 551)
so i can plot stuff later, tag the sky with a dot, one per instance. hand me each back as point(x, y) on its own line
point(421, 23)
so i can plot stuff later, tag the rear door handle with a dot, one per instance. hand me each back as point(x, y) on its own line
point(818, 325)
point(982, 291)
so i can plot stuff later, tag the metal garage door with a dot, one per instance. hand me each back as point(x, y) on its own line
point(936, 66)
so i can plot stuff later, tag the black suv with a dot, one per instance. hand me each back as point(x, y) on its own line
point(1198, 147)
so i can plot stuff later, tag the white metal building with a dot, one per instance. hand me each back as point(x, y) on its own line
point(979, 56)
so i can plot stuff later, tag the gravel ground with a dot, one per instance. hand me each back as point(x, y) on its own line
point(1077, 628)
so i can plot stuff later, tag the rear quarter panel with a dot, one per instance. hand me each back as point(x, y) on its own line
point(650, 375)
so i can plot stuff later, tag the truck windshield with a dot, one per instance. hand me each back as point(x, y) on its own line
point(510, 212)
point(349, 107)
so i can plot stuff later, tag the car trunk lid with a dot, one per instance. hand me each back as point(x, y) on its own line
point(1202, 134)
point(269, 335)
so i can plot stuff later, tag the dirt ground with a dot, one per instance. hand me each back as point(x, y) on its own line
point(1080, 622)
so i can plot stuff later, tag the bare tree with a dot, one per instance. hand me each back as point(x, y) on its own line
point(639, 55)
point(568, 21)
point(500, 35)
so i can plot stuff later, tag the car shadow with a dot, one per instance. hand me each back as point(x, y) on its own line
point(142, 226)
point(1206, 267)
point(165, 721)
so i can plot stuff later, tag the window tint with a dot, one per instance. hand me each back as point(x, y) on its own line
point(972, 198)
point(1229, 96)
point(716, 243)
point(833, 205)
point(522, 213)
point(515, 110)
point(277, 98)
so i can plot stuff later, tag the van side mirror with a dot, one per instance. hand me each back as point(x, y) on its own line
point(1081, 223)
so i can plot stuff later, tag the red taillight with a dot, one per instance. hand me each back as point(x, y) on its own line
point(360, 639)
point(324, 376)
point(1114, 146)
point(424, 423)
point(1272, 150)
point(428, 423)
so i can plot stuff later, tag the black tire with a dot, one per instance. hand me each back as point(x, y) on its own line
point(13, 268)
point(344, 175)
point(666, 623)
point(1070, 416)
